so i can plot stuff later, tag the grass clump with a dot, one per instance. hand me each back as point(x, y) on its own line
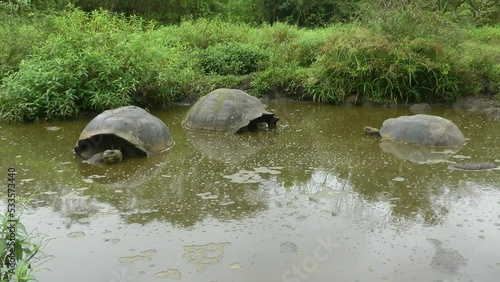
point(231, 58)
point(94, 61)
point(362, 63)
point(16, 247)
point(479, 57)
point(18, 37)
point(100, 60)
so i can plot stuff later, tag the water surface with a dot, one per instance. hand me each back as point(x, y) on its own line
point(312, 200)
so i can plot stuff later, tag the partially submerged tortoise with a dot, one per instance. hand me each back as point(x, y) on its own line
point(230, 111)
point(123, 132)
point(420, 129)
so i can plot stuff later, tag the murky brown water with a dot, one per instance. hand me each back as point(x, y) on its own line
point(315, 200)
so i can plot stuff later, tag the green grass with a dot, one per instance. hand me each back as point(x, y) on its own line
point(96, 61)
point(22, 250)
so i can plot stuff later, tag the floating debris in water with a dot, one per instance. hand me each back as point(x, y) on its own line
point(288, 247)
point(270, 170)
point(226, 201)
point(144, 255)
point(77, 234)
point(129, 260)
point(171, 273)
point(249, 176)
point(244, 176)
point(148, 253)
point(399, 179)
point(53, 128)
point(461, 157)
point(27, 180)
point(88, 180)
point(112, 240)
point(235, 265)
point(210, 197)
point(207, 196)
point(203, 256)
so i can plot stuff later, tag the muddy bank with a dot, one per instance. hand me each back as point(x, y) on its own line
point(482, 104)
point(487, 105)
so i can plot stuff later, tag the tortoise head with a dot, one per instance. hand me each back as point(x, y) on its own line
point(112, 156)
point(371, 130)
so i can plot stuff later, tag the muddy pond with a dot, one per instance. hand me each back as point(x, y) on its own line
point(314, 200)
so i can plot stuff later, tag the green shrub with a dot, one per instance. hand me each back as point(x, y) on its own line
point(479, 57)
point(231, 59)
point(19, 35)
point(95, 62)
point(380, 70)
point(401, 20)
point(291, 80)
point(24, 249)
point(204, 33)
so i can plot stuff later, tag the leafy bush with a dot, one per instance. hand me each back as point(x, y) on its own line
point(400, 20)
point(24, 250)
point(381, 70)
point(18, 37)
point(231, 58)
point(290, 80)
point(95, 62)
point(204, 33)
point(100, 60)
point(479, 58)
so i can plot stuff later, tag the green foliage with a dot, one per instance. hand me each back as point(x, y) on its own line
point(19, 35)
point(310, 13)
point(24, 249)
point(204, 33)
point(231, 58)
point(416, 19)
point(100, 60)
point(359, 62)
point(167, 11)
point(303, 13)
point(481, 12)
point(95, 62)
point(290, 80)
point(479, 58)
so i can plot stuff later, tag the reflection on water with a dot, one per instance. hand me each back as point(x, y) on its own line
point(419, 154)
point(219, 207)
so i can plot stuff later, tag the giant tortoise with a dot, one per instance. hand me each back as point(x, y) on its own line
point(123, 132)
point(230, 111)
point(420, 129)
